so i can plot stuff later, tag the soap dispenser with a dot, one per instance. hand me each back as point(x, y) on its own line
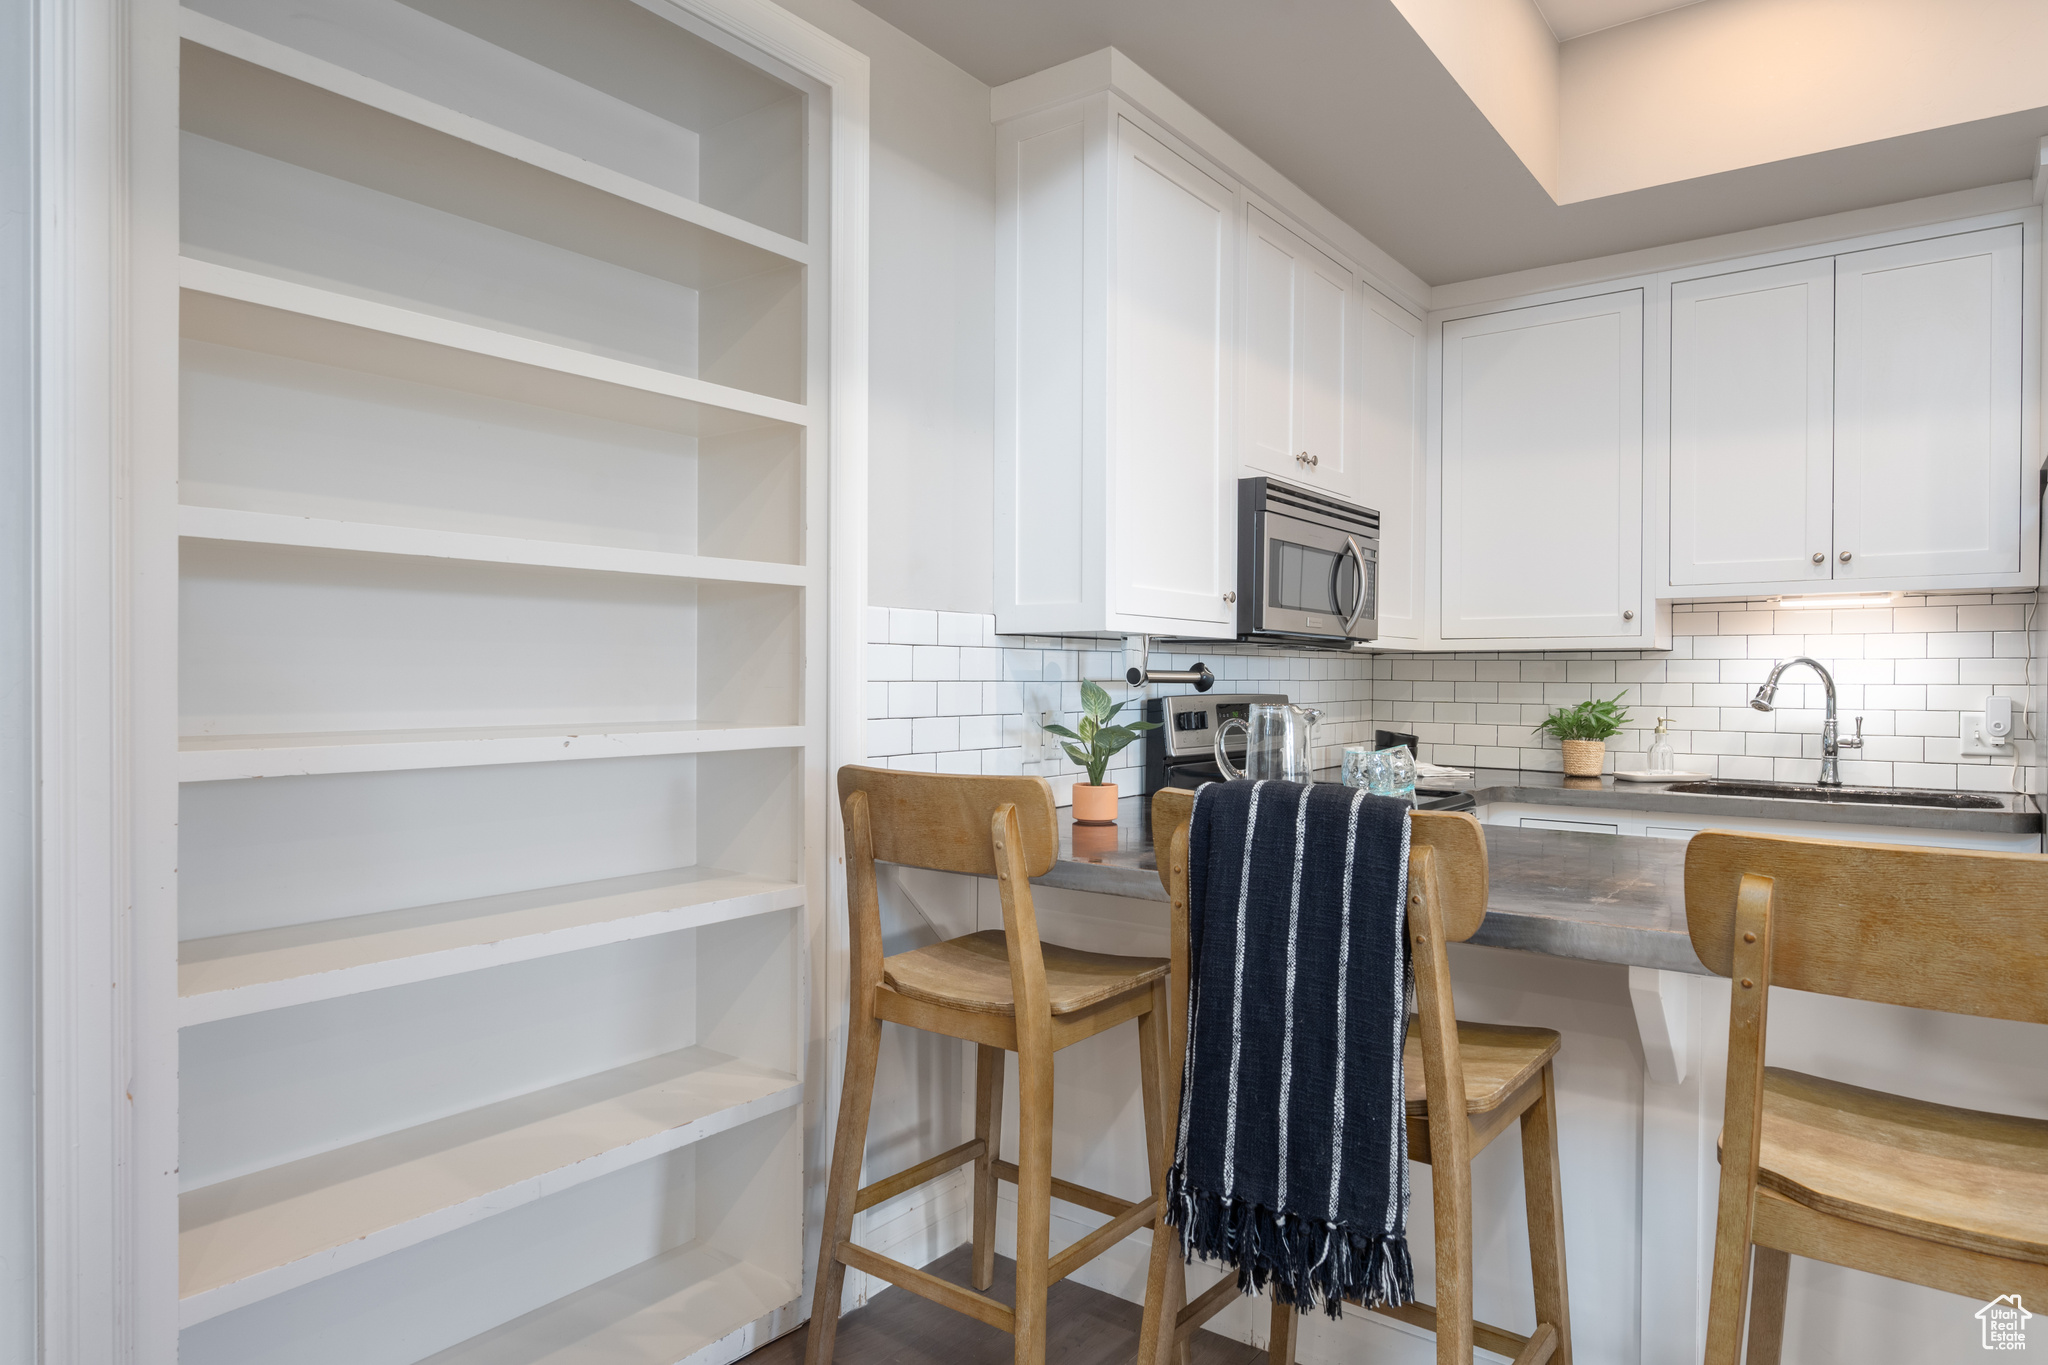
point(1661, 758)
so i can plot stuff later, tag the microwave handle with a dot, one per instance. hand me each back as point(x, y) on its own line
point(1351, 621)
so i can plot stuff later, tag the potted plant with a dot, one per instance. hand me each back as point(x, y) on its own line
point(1092, 746)
point(1584, 730)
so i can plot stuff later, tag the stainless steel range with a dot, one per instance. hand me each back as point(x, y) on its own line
point(1182, 751)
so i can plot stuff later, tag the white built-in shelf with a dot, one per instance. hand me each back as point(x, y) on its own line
point(267, 969)
point(381, 319)
point(657, 1313)
point(726, 246)
point(258, 1235)
point(220, 758)
point(275, 528)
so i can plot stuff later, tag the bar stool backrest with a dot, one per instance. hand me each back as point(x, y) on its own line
point(942, 821)
point(1458, 840)
point(1944, 929)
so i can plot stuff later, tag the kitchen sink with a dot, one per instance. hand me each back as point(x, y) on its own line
point(1861, 796)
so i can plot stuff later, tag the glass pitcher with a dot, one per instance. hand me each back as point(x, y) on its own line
point(1278, 743)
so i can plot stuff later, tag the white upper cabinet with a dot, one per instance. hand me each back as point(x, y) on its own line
point(1391, 475)
point(1752, 426)
point(1541, 467)
point(1115, 461)
point(1928, 399)
point(1852, 422)
point(1293, 357)
point(1169, 433)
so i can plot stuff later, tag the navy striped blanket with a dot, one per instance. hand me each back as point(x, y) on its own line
point(1291, 1162)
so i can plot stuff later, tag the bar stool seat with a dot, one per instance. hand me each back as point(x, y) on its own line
point(1499, 1060)
point(973, 973)
point(1957, 1177)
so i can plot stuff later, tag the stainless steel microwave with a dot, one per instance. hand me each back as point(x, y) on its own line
point(1307, 565)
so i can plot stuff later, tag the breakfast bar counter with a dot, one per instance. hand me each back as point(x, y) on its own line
point(1596, 897)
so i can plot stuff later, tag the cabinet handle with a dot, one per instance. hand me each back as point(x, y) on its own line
point(1628, 616)
point(1307, 461)
point(1230, 597)
point(1846, 556)
point(1820, 556)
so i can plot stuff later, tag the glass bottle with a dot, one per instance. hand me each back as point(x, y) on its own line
point(1661, 757)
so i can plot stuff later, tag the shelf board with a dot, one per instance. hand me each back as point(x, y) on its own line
point(276, 528)
point(222, 758)
point(659, 1312)
point(732, 246)
point(255, 1236)
point(218, 280)
point(265, 969)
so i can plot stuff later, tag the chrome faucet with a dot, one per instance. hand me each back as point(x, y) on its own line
point(1831, 743)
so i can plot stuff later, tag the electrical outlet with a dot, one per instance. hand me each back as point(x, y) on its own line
point(1041, 708)
point(1978, 744)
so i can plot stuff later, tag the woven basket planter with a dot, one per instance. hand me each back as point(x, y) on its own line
point(1584, 757)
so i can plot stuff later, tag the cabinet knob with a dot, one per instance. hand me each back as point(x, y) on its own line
point(1846, 556)
point(1230, 597)
point(1820, 556)
point(1307, 461)
point(1628, 616)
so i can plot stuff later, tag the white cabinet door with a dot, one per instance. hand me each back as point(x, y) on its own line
point(1294, 354)
point(1172, 518)
point(1752, 426)
point(1542, 472)
point(1390, 477)
point(1322, 316)
point(1928, 408)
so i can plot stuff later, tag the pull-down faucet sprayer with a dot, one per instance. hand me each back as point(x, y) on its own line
point(1831, 743)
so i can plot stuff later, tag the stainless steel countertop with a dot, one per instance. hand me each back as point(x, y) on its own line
point(1597, 897)
point(2017, 813)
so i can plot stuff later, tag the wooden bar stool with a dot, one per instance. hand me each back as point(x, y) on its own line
point(1004, 992)
point(1950, 1198)
point(1502, 1072)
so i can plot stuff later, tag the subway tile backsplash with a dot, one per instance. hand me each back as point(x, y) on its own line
point(1909, 670)
point(945, 693)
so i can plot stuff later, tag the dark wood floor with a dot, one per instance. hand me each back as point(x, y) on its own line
point(896, 1327)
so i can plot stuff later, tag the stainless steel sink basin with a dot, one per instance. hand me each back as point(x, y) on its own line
point(1861, 796)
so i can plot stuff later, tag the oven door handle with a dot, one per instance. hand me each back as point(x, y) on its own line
point(1358, 607)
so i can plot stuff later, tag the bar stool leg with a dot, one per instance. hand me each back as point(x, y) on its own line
point(1451, 1193)
point(849, 1148)
point(1165, 1292)
point(988, 1125)
point(1770, 1269)
point(1544, 1193)
point(1034, 1187)
point(1280, 1338)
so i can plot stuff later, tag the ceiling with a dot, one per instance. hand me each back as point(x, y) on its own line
point(1345, 100)
point(1569, 19)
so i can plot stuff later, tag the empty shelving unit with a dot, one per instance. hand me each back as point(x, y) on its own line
point(519, 373)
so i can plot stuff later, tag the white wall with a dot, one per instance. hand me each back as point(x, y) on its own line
point(17, 1029)
point(931, 355)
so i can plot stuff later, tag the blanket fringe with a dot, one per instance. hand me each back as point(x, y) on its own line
point(1307, 1262)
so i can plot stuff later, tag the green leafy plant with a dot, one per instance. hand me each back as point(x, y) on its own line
point(1097, 741)
point(1587, 720)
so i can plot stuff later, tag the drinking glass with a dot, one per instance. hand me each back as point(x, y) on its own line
point(1383, 772)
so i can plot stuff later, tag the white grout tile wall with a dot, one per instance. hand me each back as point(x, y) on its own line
point(1909, 670)
point(946, 693)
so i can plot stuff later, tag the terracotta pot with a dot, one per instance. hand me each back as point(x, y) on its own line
point(1582, 757)
point(1094, 805)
